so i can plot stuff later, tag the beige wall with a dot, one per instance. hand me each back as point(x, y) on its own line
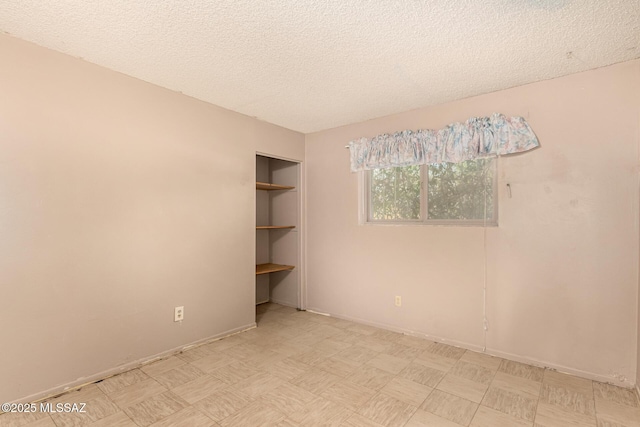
point(118, 201)
point(562, 265)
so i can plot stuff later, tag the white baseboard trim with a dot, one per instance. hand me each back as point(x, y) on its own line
point(473, 347)
point(83, 381)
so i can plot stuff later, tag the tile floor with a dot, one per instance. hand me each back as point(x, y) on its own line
point(303, 369)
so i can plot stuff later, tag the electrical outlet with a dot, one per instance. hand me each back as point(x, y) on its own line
point(178, 314)
point(398, 301)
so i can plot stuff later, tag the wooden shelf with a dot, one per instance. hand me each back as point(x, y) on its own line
point(267, 186)
point(272, 268)
point(274, 227)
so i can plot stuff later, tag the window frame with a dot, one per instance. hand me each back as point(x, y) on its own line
point(367, 208)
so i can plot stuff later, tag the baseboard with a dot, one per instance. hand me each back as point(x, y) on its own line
point(83, 381)
point(514, 357)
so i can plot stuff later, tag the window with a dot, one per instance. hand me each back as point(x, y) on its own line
point(448, 193)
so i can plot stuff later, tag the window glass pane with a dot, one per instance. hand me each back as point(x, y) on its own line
point(457, 191)
point(395, 193)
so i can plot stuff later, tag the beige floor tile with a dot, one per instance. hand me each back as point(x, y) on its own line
point(255, 414)
point(315, 380)
point(162, 365)
point(331, 346)
point(306, 339)
point(362, 329)
point(178, 376)
point(517, 385)
point(220, 405)
point(568, 399)
point(234, 372)
point(119, 419)
point(212, 362)
point(521, 370)
point(357, 420)
point(188, 417)
point(361, 376)
point(321, 412)
point(422, 374)
point(387, 410)
point(555, 416)
point(337, 367)
point(376, 344)
point(450, 407)
point(489, 362)
point(71, 419)
point(388, 363)
point(122, 380)
point(265, 358)
point(258, 384)
point(269, 317)
point(569, 382)
point(287, 422)
point(514, 404)
point(199, 388)
point(287, 369)
point(42, 422)
point(615, 394)
point(288, 398)
point(324, 331)
point(408, 391)
point(605, 422)
point(370, 377)
point(487, 417)
point(446, 350)
point(473, 372)
point(356, 354)
point(403, 351)
point(426, 419)
point(463, 387)
point(348, 394)
point(155, 408)
point(435, 361)
point(268, 340)
point(348, 337)
point(612, 412)
point(240, 352)
point(100, 408)
point(19, 419)
point(136, 393)
point(287, 349)
point(288, 332)
point(341, 324)
point(312, 357)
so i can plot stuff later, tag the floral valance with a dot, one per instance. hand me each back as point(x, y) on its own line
point(478, 137)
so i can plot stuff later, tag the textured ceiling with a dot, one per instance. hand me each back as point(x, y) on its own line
point(310, 65)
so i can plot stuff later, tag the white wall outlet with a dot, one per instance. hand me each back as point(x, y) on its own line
point(398, 301)
point(178, 314)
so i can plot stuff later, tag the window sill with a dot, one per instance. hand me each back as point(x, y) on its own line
point(478, 224)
